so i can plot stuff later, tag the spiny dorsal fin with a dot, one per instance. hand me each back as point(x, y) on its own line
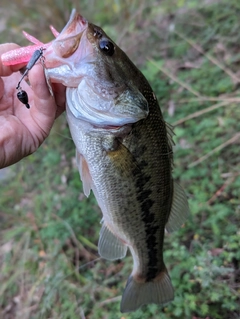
point(179, 211)
point(170, 134)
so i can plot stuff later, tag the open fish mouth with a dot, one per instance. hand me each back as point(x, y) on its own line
point(64, 45)
point(67, 42)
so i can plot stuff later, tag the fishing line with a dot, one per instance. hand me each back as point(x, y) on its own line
point(65, 277)
point(79, 268)
point(59, 134)
point(22, 95)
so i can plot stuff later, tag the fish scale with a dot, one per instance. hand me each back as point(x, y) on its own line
point(148, 194)
point(133, 186)
point(124, 152)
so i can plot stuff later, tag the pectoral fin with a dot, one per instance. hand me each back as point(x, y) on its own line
point(109, 246)
point(84, 173)
point(179, 210)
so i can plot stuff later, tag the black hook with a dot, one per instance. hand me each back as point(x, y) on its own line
point(22, 95)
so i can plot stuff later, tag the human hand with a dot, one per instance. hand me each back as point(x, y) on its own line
point(23, 130)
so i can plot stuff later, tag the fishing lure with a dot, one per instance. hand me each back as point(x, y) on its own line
point(22, 95)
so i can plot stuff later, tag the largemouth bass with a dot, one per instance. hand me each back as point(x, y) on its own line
point(124, 154)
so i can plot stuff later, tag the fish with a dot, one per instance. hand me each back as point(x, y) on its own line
point(124, 151)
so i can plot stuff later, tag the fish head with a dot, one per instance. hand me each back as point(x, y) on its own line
point(101, 80)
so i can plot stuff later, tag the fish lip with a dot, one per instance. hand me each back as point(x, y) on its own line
point(70, 26)
point(67, 42)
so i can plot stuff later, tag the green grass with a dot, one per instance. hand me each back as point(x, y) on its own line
point(49, 265)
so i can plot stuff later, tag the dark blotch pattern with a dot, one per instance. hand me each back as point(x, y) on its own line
point(148, 219)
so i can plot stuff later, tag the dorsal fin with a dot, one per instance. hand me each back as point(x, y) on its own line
point(179, 210)
point(170, 134)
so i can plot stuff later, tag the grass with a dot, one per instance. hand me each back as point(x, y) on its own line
point(49, 231)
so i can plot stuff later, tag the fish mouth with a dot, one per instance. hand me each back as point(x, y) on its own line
point(67, 42)
point(75, 22)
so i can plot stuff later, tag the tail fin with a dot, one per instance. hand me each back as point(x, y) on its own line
point(136, 294)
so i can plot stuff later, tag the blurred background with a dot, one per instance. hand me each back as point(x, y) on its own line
point(49, 265)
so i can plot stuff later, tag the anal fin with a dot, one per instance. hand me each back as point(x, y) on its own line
point(109, 246)
point(179, 211)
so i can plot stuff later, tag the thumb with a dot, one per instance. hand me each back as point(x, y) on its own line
point(1, 88)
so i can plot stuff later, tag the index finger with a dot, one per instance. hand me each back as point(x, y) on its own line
point(8, 70)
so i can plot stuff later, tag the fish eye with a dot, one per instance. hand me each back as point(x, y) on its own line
point(107, 47)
